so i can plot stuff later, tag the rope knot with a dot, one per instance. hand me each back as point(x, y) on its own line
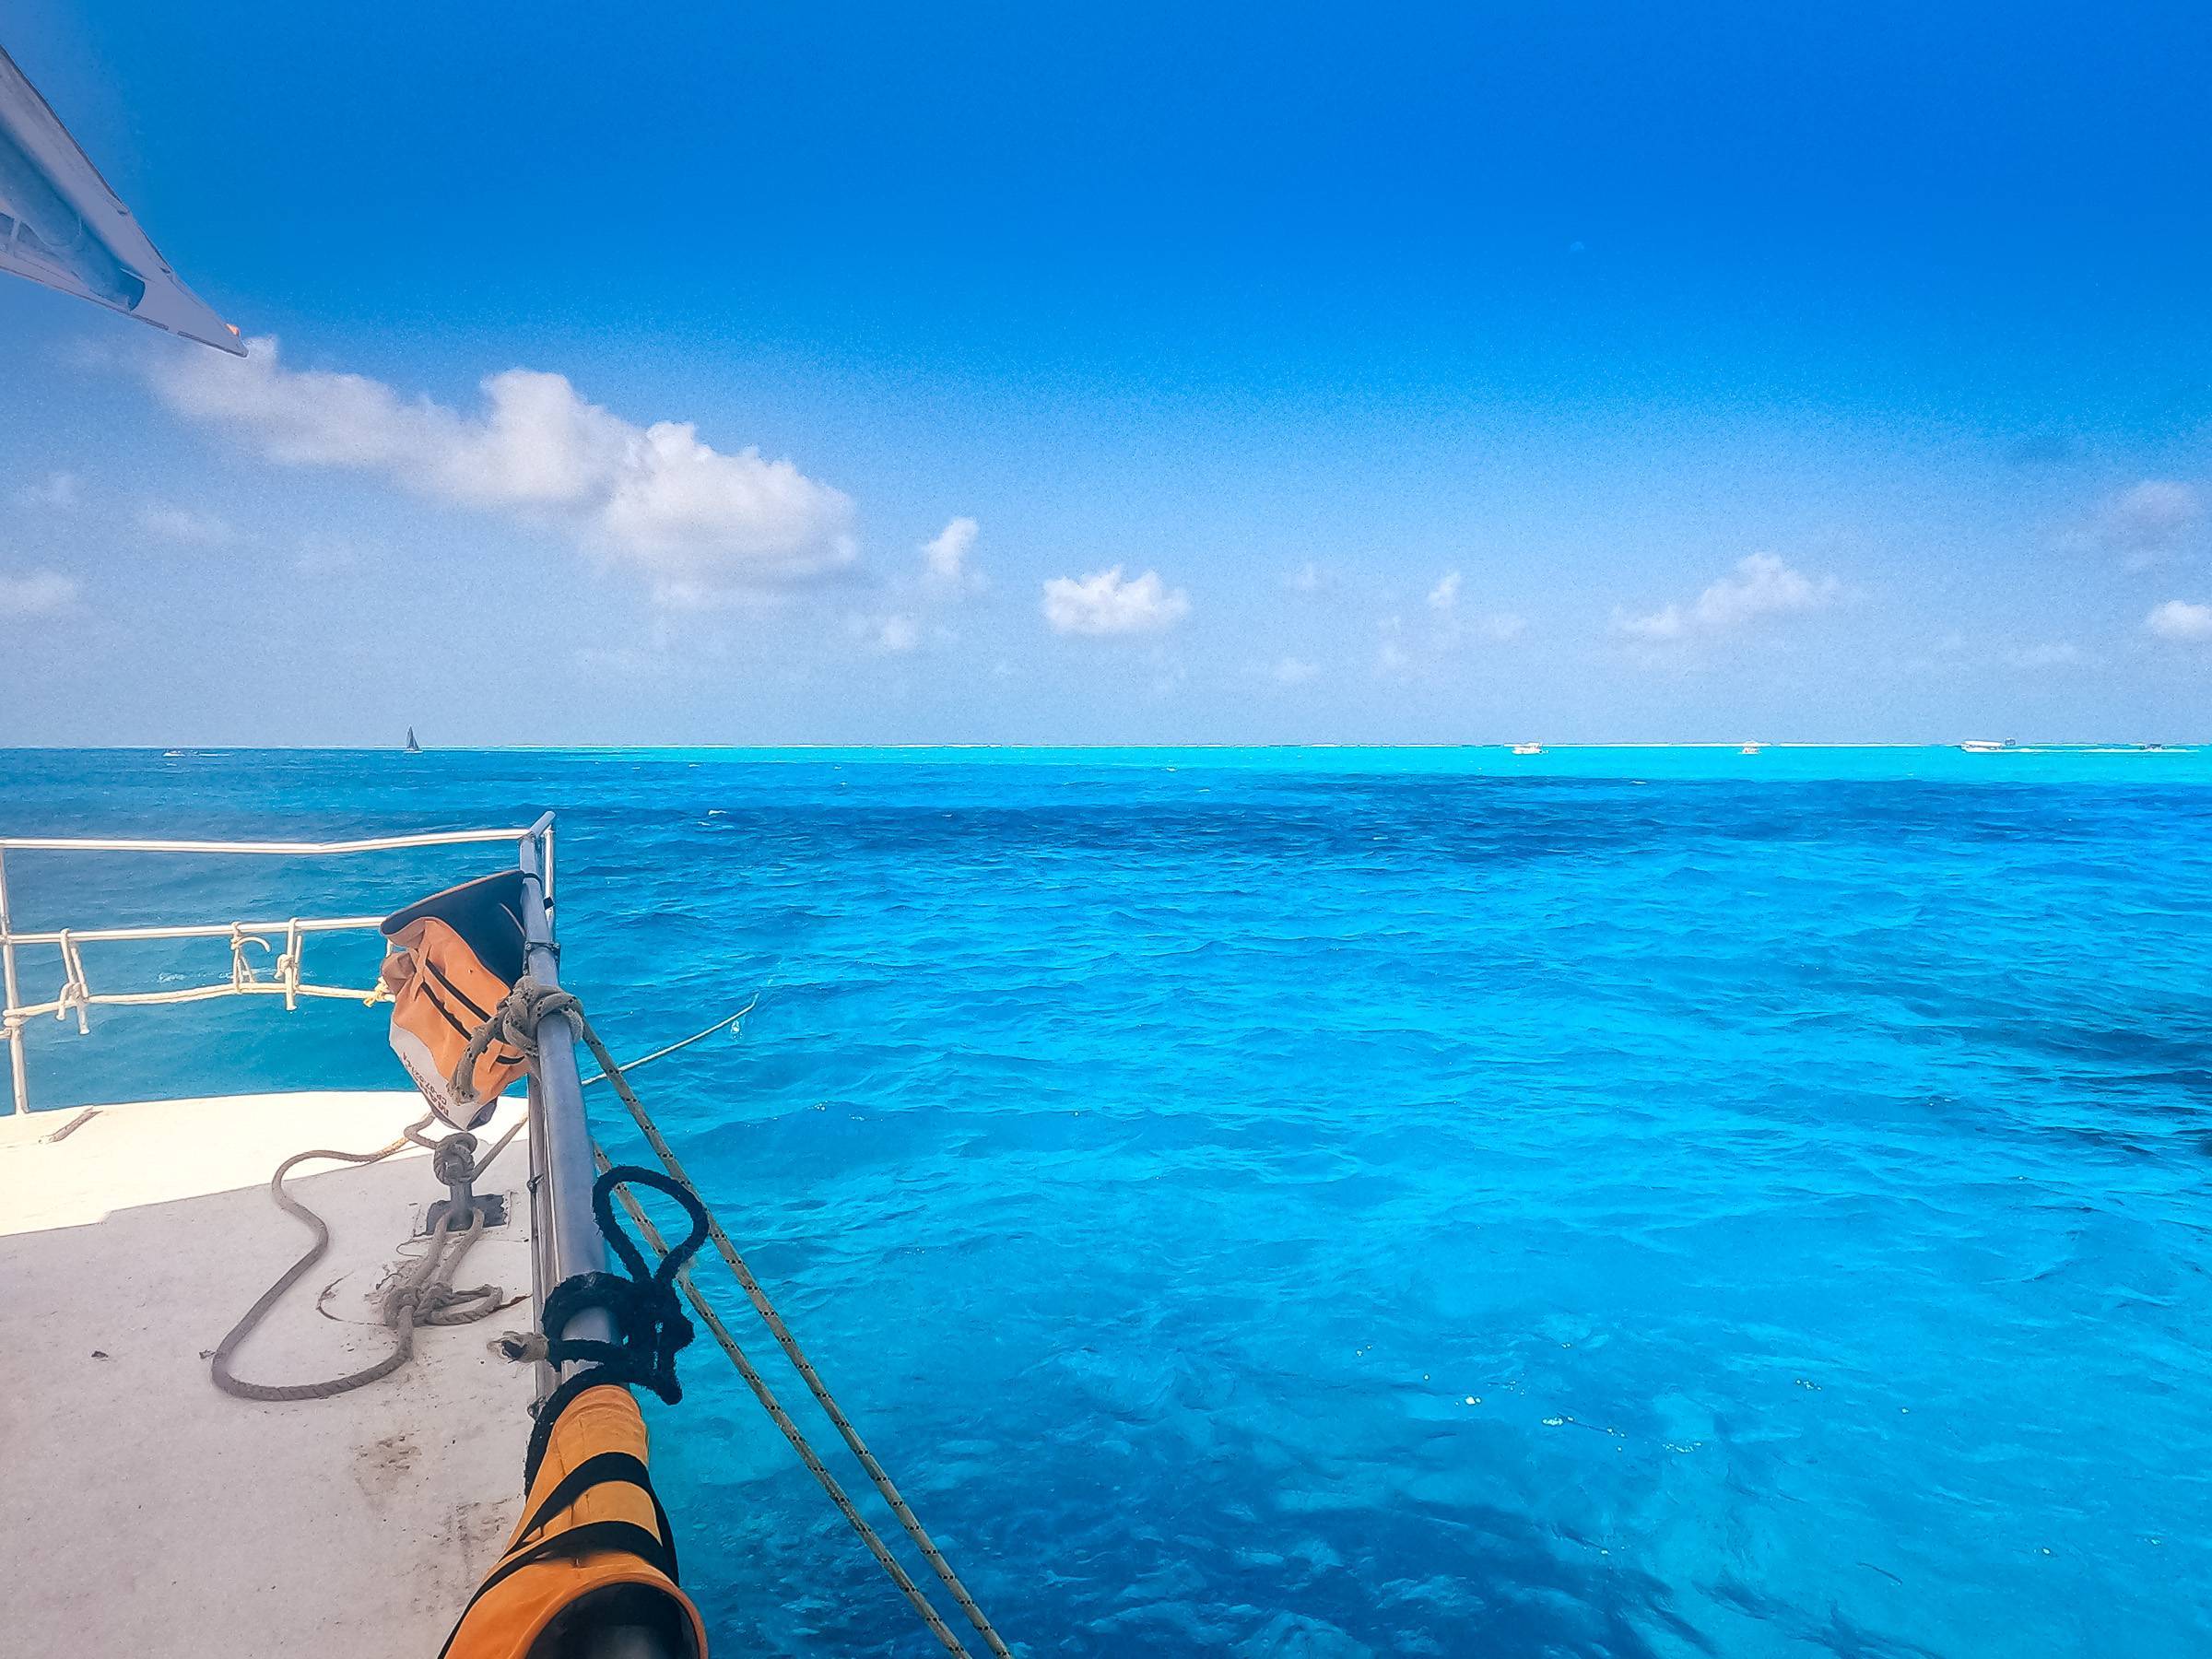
point(454, 1159)
point(514, 1024)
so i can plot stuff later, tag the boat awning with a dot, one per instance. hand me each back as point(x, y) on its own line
point(61, 225)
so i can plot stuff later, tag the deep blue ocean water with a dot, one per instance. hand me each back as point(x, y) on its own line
point(1329, 1203)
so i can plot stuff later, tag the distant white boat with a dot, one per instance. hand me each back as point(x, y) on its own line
point(1984, 745)
point(1529, 748)
point(1751, 748)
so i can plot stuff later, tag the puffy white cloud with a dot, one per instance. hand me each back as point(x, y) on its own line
point(36, 594)
point(1659, 625)
point(2146, 521)
point(1761, 586)
point(2179, 621)
point(1107, 603)
point(1444, 596)
point(696, 522)
point(897, 635)
point(946, 555)
point(187, 527)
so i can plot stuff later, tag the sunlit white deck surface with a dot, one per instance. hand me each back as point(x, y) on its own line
point(142, 1511)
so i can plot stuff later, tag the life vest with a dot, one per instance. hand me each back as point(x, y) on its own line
point(453, 959)
point(593, 1543)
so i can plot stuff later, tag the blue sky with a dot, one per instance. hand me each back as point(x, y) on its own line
point(1147, 374)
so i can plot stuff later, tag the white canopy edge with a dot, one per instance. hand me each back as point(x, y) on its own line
point(59, 225)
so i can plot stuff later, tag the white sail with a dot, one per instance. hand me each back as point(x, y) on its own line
point(62, 226)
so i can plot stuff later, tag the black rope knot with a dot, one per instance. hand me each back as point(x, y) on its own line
point(650, 1324)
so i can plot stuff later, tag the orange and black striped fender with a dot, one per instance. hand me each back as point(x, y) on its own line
point(593, 1543)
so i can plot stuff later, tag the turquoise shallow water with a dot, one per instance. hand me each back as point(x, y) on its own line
point(1327, 1203)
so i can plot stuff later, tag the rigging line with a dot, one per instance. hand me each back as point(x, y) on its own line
point(728, 1022)
point(516, 1022)
point(877, 1474)
point(783, 1419)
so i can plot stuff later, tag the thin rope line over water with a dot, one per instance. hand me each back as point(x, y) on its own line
point(783, 1419)
point(516, 1022)
point(878, 1475)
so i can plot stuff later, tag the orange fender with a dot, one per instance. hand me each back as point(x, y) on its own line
point(593, 1541)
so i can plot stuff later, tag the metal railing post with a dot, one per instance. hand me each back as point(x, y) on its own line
point(562, 1175)
point(16, 1070)
point(561, 1140)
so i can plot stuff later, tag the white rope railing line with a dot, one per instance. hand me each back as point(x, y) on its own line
point(242, 976)
point(26, 1012)
point(75, 993)
point(196, 930)
point(288, 965)
point(382, 844)
point(287, 978)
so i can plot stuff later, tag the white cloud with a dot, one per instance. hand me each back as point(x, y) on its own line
point(1505, 626)
point(1308, 577)
point(183, 524)
point(1106, 603)
point(897, 635)
point(58, 491)
point(697, 523)
point(2181, 622)
point(946, 555)
point(1658, 625)
point(1450, 629)
point(36, 594)
point(1292, 671)
point(2146, 521)
point(1761, 586)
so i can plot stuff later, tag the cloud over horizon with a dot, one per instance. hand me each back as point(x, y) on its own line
point(1761, 586)
point(696, 523)
point(1106, 603)
point(2180, 622)
point(944, 556)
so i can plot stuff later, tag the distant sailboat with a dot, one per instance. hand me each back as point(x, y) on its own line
point(1529, 748)
point(413, 748)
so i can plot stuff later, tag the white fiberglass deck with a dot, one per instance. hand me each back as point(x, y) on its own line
point(144, 1512)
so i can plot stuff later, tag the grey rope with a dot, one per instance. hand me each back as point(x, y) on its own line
point(424, 1295)
point(514, 1023)
point(774, 1407)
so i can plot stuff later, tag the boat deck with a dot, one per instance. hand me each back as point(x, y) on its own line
point(145, 1511)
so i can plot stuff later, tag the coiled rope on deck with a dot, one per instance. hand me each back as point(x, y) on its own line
point(514, 1023)
point(424, 1294)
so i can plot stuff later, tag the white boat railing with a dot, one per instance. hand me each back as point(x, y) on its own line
point(267, 958)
